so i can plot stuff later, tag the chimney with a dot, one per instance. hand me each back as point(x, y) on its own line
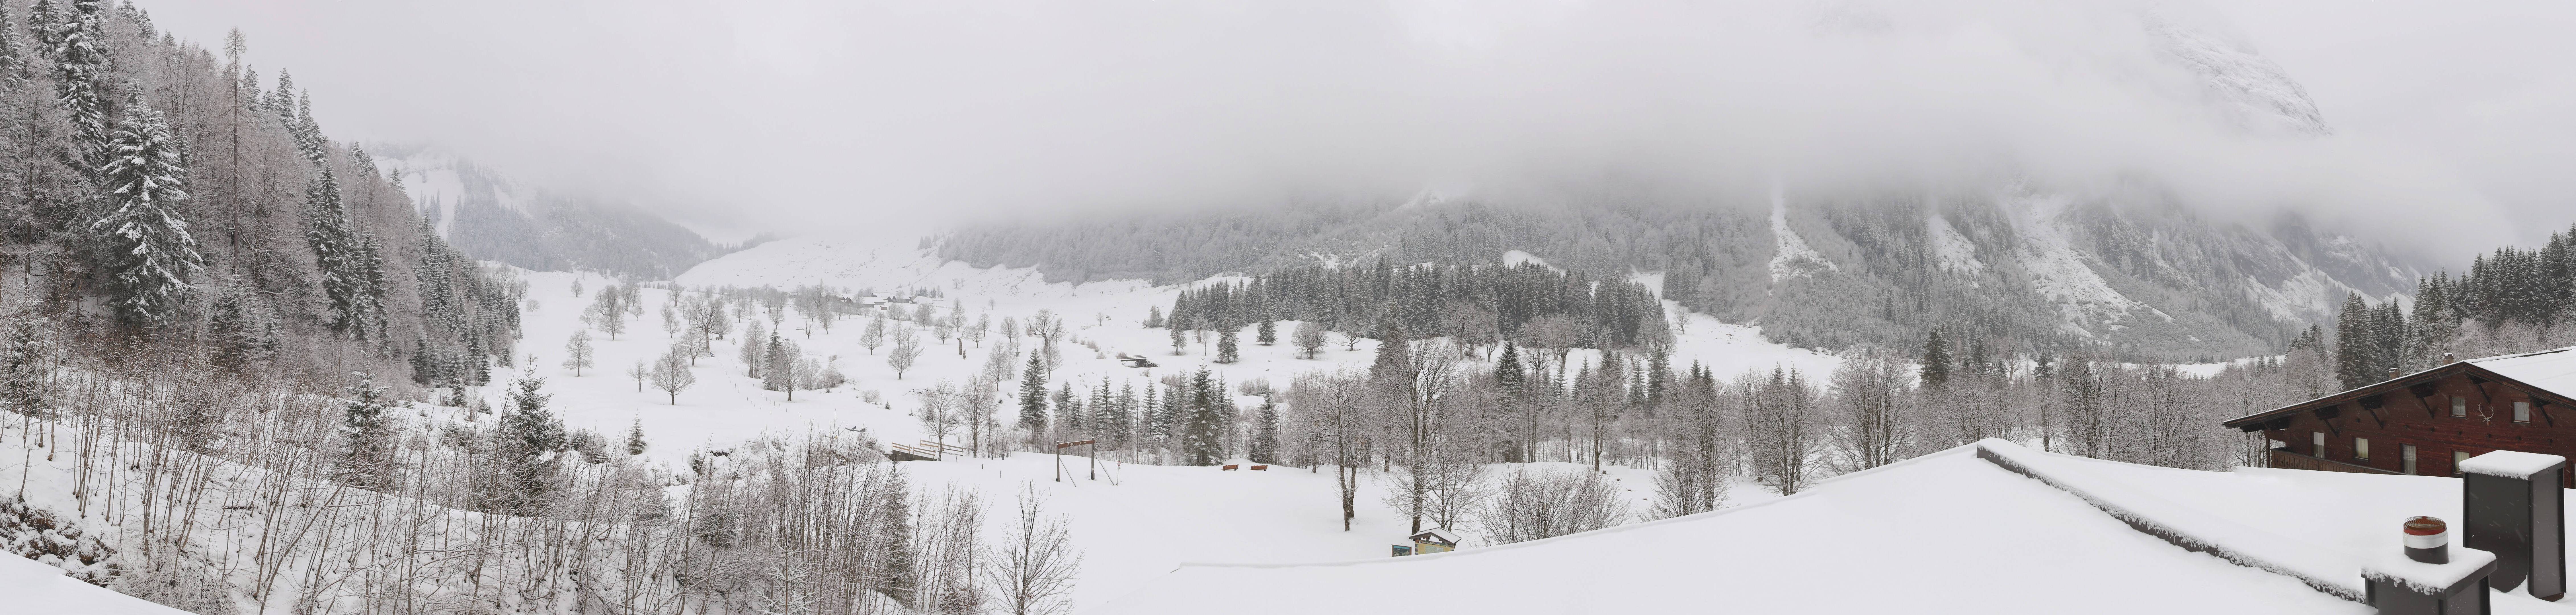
point(2446, 358)
point(2515, 510)
point(2428, 540)
point(2428, 581)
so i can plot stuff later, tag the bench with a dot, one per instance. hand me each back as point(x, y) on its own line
point(1230, 467)
point(1261, 467)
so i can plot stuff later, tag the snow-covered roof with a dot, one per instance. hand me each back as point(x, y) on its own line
point(1967, 529)
point(2554, 370)
point(1948, 529)
point(2510, 464)
point(31, 587)
point(1440, 534)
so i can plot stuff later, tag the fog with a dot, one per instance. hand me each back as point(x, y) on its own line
point(819, 117)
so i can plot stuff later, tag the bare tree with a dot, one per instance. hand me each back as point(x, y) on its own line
point(907, 348)
point(1783, 436)
point(1531, 504)
point(671, 374)
point(1033, 568)
point(1870, 427)
point(1308, 338)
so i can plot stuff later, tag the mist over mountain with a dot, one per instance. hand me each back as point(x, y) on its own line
point(489, 215)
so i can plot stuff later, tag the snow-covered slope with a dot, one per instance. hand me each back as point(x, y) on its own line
point(30, 587)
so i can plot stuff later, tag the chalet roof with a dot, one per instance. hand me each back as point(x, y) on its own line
point(2550, 372)
point(2554, 370)
point(1440, 535)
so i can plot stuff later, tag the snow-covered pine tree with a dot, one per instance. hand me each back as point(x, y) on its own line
point(635, 436)
point(528, 432)
point(77, 40)
point(367, 439)
point(144, 233)
point(1227, 347)
point(1068, 409)
point(1033, 393)
point(578, 353)
point(1202, 427)
point(1265, 434)
point(776, 364)
point(1268, 333)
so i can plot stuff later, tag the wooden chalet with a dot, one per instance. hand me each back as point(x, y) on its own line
point(2427, 422)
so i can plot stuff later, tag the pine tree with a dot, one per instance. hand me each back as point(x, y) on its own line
point(1268, 333)
point(145, 235)
point(635, 437)
point(779, 367)
point(1226, 347)
point(367, 440)
point(2354, 343)
point(1068, 411)
point(1033, 410)
point(1265, 435)
point(1936, 361)
point(82, 62)
point(528, 432)
point(1201, 427)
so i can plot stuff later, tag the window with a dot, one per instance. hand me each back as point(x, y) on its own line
point(2406, 457)
point(2317, 443)
point(2457, 458)
point(2361, 449)
point(2522, 412)
point(2459, 406)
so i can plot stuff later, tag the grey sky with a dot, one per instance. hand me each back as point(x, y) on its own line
point(813, 116)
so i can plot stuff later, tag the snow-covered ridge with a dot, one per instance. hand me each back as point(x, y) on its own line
point(1794, 258)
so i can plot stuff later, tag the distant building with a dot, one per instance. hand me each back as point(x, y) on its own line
point(2427, 422)
point(1434, 540)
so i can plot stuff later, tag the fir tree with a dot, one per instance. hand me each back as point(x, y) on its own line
point(1936, 360)
point(635, 437)
point(367, 440)
point(1201, 427)
point(1068, 411)
point(779, 367)
point(1033, 411)
point(1265, 434)
point(145, 234)
point(528, 432)
point(1268, 333)
point(2355, 343)
point(1226, 347)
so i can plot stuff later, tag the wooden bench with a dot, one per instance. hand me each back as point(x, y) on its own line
point(1229, 467)
point(1261, 467)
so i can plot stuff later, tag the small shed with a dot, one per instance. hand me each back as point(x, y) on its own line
point(1435, 540)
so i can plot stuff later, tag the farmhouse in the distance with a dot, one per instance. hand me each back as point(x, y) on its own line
point(2426, 422)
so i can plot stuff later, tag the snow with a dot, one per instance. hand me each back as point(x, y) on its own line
point(2554, 370)
point(2059, 272)
point(1954, 251)
point(31, 587)
point(1794, 258)
point(1514, 258)
point(1943, 533)
point(2512, 464)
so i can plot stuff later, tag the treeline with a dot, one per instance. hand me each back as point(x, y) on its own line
point(1903, 264)
point(2512, 300)
point(1478, 304)
point(162, 198)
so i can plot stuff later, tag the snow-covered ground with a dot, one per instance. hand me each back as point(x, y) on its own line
point(727, 407)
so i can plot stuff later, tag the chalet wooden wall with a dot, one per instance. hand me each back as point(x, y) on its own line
point(2402, 418)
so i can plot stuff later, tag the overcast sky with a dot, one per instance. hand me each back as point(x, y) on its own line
point(820, 116)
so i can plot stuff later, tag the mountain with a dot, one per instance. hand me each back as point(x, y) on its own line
point(2025, 258)
point(491, 216)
